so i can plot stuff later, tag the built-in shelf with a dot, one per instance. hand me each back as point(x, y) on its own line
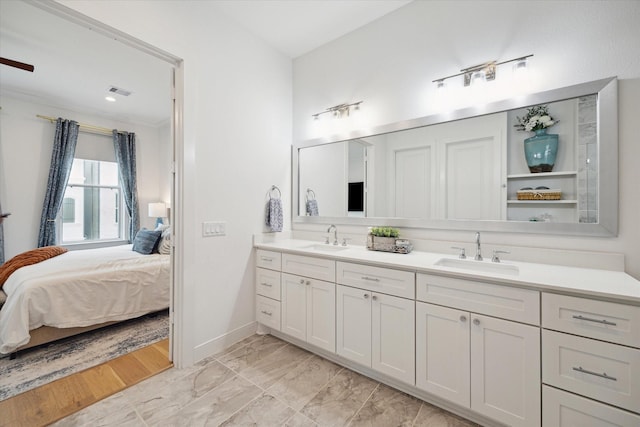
point(553, 202)
point(542, 175)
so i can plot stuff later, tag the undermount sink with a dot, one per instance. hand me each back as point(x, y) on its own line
point(479, 266)
point(325, 247)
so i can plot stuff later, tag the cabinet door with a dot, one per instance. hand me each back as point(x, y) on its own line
point(321, 315)
point(442, 352)
point(294, 306)
point(505, 370)
point(393, 336)
point(353, 323)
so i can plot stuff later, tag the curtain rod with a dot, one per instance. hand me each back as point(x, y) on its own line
point(83, 126)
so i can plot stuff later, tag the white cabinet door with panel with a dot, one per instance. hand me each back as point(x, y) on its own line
point(505, 370)
point(443, 352)
point(377, 330)
point(308, 310)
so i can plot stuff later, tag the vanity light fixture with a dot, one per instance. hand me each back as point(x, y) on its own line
point(483, 72)
point(339, 110)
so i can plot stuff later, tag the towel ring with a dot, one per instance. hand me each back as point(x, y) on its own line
point(310, 193)
point(275, 187)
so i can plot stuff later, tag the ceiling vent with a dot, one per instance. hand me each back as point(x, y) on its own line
point(119, 91)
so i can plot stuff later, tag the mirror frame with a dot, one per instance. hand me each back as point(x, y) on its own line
point(607, 137)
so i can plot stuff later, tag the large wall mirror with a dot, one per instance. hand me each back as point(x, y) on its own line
point(468, 169)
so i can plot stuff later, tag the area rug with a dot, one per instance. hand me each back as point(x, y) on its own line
point(41, 365)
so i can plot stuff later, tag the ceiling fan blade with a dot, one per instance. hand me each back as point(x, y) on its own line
point(16, 64)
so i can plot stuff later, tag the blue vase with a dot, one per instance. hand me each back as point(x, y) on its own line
point(540, 151)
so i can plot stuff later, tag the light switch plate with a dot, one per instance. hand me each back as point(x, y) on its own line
point(214, 228)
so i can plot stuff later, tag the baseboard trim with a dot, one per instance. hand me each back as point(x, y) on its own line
point(216, 345)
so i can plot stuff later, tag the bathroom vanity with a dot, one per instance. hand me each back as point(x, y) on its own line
point(508, 343)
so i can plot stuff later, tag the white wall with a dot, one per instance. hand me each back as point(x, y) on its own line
point(25, 157)
point(390, 65)
point(237, 138)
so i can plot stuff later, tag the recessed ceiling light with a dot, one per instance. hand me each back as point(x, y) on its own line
point(110, 98)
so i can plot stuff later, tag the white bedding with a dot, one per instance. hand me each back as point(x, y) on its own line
point(82, 288)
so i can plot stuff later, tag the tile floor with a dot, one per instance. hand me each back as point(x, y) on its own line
point(262, 381)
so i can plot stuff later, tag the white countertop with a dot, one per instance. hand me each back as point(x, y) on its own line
point(603, 284)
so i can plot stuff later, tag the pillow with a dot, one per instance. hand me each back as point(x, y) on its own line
point(145, 241)
point(164, 246)
point(33, 256)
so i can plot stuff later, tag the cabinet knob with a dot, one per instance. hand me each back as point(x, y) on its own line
point(302, 281)
point(463, 318)
point(476, 321)
point(366, 295)
point(308, 282)
point(374, 297)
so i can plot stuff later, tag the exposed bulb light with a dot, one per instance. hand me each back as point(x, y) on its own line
point(440, 84)
point(478, 77)
point(110, 98)
point(339, 110)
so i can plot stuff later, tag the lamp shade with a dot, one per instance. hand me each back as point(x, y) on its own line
point(157, 210)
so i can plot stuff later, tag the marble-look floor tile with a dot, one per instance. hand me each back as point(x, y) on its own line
point(271, 368)
point(387, 407)
point(431, 416)
point(265, 411)
point(251, 353)
point(299, 385)
point(112, 411)
point(299, 420)
point(343, 396)
point(216, 406)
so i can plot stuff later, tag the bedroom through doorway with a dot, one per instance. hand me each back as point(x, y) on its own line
point(62, 87)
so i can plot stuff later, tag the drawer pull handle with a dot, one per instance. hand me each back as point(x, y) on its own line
point(264, 258)
point(266, 284)
point(603, 375)
point(268, 313)
point(373, 279)
point(604, 322)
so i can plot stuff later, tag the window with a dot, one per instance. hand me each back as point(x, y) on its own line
point(91, 207)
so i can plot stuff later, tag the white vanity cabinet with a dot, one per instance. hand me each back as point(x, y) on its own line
point(375, 329)
point(467, 354)
point(309, 300)
point(590, 348)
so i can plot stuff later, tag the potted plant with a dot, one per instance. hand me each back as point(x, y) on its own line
point(540, 150)
point(382, 238)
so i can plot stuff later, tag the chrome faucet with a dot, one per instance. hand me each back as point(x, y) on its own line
point(335, 233)
point(478, 256)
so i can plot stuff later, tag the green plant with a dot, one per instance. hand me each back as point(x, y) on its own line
point(385, 232)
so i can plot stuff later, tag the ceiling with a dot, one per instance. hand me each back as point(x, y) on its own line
point(74, 66)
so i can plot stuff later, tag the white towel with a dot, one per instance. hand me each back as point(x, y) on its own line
point(312, 207)
point(273, 214)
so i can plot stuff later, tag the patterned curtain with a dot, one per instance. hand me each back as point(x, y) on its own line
point(64, 148)
point(124, 144)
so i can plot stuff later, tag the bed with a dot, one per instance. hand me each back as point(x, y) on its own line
point(78, 291)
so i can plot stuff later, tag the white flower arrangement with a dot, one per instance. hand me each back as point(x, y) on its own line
point(537, 117)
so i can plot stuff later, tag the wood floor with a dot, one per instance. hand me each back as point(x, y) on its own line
point(56, 400)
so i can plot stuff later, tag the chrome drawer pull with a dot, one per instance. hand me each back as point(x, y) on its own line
point(268, 313)
point(604, 322)
point(373, 279)
point(266, 284)
point(264, 258)
point(603, 375)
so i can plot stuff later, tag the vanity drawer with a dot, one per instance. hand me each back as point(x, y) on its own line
point(607, 321)
point(315, 268)
point(268, 312)
point(562, 409)
point(268, 283)
point(521, 305)
point(268, 259)
point(378, 279)
point(596, 369)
